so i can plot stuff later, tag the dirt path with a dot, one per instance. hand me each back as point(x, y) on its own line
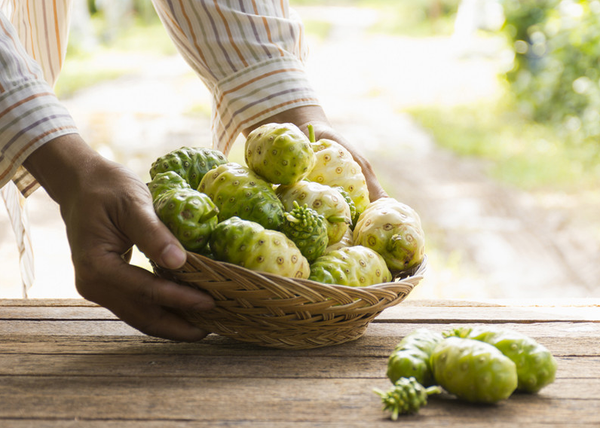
point(485, 240)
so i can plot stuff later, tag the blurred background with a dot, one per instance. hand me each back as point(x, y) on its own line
point(483, 115)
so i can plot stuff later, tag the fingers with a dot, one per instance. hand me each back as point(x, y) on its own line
point(146, 302)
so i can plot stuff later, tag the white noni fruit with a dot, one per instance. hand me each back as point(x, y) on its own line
point(393, 229)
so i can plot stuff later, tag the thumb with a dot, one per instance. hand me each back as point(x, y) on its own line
point(154, 239)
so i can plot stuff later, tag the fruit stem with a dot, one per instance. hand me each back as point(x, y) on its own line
point(311, 133)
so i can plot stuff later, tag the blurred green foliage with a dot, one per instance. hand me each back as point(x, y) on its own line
point(556, 77)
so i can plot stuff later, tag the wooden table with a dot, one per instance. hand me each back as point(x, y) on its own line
point(68, 363)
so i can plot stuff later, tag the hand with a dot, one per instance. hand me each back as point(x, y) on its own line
point(107, 210)
point(314, 115)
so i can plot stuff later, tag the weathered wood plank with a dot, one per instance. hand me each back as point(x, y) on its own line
point(264, 366)
point(244, 399)
point(416, 421)
point(402, 313)
point(109, 337)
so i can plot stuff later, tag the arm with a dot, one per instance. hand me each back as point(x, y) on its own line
point(254, 69)
point(105, 207)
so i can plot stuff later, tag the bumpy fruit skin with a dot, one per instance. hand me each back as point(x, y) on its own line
point(239, 192)
point(346, 241)
point(536, 367)
point(354, 266)
point(190, 215)
point(393, 229)
point(307, 229)
point(191, 163)
point(335, 166)
point(473, 371)
point(248, 244)
point(412, 355)
point(353, 211)
point(164, 181)
point(325, 200)
point(280, 153)
point(406, 396)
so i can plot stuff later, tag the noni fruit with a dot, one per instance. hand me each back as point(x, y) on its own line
point(164, 181)
point(406, 396)
point(335, 166)
point(279, 152)
point(239, 192)
point(190, 215)
point(536, 367)
point(191, 163)
point(346, 241)
point(411, 357)
point(248, 244)
point(325, 200)
point(393, 229)
point(473, 371)
point(354, 266)
point(353, 211)
point(307, 229)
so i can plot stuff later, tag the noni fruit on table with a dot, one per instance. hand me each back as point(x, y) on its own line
point(248, 244)
point(536, 367)
point(325, 200)
point(393, 229)
point(412, 355)
point(164, 181)
point(354, 266)
point(307, 229)
point(279, 152)
point(335, 166)
point(238, 191)
point(472, 370)
point(406, 396)
point(190, 215)
point(191, 163)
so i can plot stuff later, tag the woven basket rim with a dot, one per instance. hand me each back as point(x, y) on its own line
point(416, 272)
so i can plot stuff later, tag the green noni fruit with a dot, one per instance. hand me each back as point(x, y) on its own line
point(325, 200)
point(190, 215)
point(353, 211)
point(412, 355)
point(279, 152)
point(248, 244)
point(536, 367)
point(239, 192)
point(307, 229)
point(164, 181)
point(473, 371)
point(191, 163)
point(354, 266)
point(393, 229)
point(406, 396)
point(346, 241)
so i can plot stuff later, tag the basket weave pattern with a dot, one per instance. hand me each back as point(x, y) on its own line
point(274, 311)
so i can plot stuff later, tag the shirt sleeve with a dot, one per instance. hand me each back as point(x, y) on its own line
point(30, 114)
point(250, 55)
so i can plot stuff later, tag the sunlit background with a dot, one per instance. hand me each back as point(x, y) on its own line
point(483, 115)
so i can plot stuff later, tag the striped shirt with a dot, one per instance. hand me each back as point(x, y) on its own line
point(249, 53)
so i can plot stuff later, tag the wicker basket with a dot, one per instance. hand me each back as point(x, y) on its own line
point(273, 311)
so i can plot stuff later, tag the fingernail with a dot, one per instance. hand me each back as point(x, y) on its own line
point(204, 305)
point(173, 257)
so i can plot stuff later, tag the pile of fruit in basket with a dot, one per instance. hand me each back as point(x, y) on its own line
point(299, 208)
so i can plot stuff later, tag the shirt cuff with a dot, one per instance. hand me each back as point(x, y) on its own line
point(30, 116)
point(255, 94)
